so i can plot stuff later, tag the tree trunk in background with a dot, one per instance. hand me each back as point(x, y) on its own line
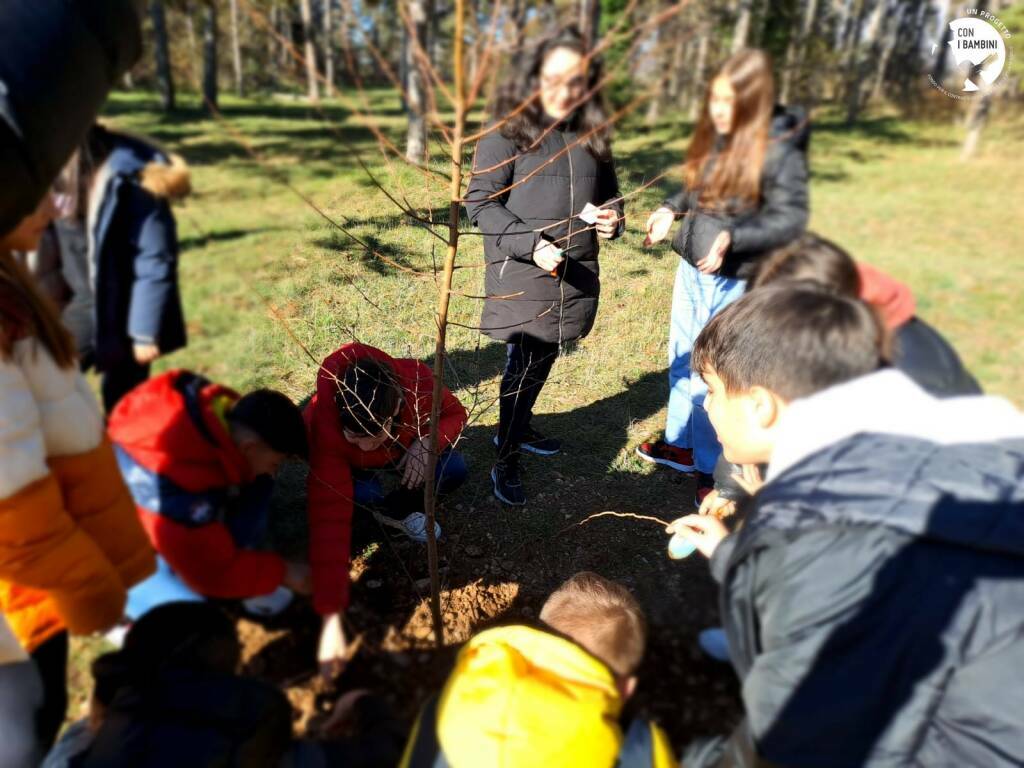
point(942, 34)
point(654, 105)
point(977, 119)
point(415, 84)
point(306, 9)
point(161, 51)
point(677, 62)
point(888, 44)
point(700, 74)
point(795, 50)
point(851, 61)
point(329, 74)
point(741, 30)
point(193, 52)
point(236, 50)
point(590, 20)
point(286, 61)
point(210, 56)
point(275, 22)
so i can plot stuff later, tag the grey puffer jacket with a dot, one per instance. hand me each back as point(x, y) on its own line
point(550, 188)
point(779, 218)
point(873, 599)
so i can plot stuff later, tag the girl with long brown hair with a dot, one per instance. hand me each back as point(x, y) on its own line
point(744, 193)
point(70, 543)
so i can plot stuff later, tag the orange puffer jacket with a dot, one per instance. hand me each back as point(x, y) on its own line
point(70, 541)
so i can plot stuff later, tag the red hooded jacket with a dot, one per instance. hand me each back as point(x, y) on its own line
point(180, 464)
point(332, 459)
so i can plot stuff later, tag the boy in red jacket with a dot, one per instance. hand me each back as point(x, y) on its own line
point(199, 461)
point(370, 414)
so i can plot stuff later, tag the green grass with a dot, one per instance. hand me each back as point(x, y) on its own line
point(894, 193)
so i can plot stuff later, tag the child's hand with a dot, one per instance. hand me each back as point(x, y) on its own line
point(715, 506)
point(704, 532)
point(414, 463)
point(547, 256)
point(658, 225)
point(607, 223)
point(716, 254)
point(145, 353)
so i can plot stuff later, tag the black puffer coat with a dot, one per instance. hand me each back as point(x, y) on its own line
point(558, 185)
point(873, 600)
point(779, 218)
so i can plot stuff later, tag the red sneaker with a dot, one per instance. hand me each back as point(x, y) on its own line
point(660, 452)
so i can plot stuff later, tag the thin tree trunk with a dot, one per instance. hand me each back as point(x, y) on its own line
point(415, 84)
point(888, 47)
point(306, 9)
point(164, 78)
point(700, 75)
point(272, 44)
point(796, 47)
point(654, 105)
point(236, 50)
point(678, 61)
point(441, 321)
point(942, 35)
point(284, 53)
point(741, 30)
point(977, 119)
point(329, 74)
point(210, 56)
point(193, 49)
point(590, 20)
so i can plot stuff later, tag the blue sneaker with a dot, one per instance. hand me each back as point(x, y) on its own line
point(714, 643)
point(508, 484)
point(536, 443)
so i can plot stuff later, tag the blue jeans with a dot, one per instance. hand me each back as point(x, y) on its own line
point(450, 473)
point(696, 298)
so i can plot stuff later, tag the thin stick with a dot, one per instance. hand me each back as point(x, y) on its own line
point(657, 520)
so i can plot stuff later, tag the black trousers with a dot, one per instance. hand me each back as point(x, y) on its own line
point(526, 371)
point(119, 381)
point(51, 658)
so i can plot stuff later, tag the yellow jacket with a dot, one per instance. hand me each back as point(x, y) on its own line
point(519, 698)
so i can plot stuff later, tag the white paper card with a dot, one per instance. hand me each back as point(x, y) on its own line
point(589, 213)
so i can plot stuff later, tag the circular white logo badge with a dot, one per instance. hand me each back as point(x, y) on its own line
point(977, 45)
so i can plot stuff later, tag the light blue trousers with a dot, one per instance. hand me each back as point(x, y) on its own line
point(696, 298)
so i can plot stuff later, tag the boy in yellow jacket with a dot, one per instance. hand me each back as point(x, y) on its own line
point(522, 697)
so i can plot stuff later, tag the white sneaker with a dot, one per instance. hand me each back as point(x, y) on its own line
point(714, 643)
point(414, 526)
point(270, 604)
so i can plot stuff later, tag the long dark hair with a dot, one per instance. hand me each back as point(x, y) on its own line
point(527, 124)
point(737, 170)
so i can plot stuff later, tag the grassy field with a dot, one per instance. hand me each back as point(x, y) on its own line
point(894, 193)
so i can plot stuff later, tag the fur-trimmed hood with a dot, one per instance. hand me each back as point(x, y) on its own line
point(163, 174)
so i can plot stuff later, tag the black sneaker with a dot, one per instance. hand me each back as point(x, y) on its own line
point(535, 442)
point(508, 485)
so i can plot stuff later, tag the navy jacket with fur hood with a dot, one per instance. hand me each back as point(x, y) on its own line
point(133, 250)
point(874, 597)
point(780, 216)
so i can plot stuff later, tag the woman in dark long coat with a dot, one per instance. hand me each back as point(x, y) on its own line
point(549, 162)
